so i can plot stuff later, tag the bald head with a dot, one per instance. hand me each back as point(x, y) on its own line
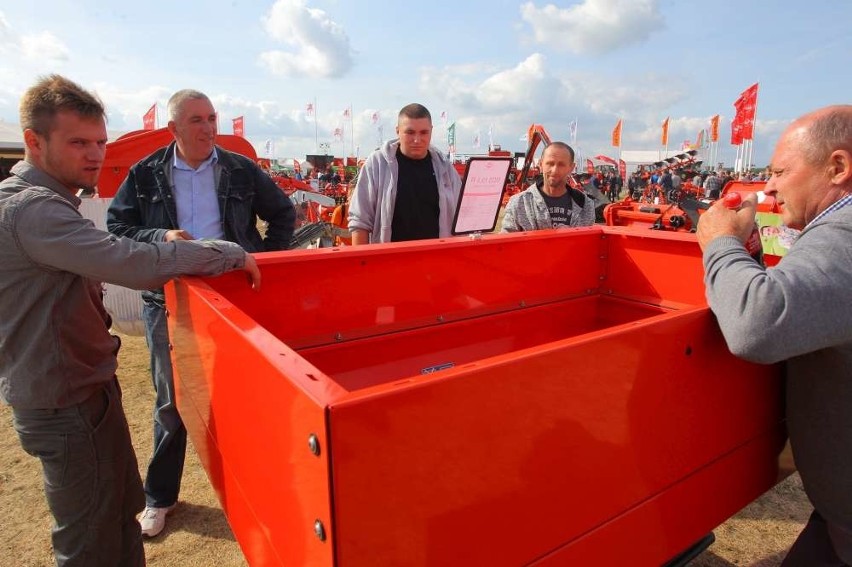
point(812, 164)
point(820, 133)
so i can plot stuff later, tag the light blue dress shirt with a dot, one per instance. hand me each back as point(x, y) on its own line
point(196, 199)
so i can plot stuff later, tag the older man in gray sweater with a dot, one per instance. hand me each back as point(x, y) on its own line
point(800, 311)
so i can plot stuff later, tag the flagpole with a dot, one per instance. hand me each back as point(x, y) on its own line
point(740, 153)
point(352, 126)
point(753, 126)
point(316, 127)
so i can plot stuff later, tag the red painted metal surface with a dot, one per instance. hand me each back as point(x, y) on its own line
point(557, 397)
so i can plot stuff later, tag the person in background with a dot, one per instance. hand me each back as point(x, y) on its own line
point(57, 358)
point(712, 186)
point(190, 189)
point(407, 189)
point(799, 312)
point(551, 201)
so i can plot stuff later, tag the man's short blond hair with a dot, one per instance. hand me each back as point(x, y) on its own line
point(51, 95)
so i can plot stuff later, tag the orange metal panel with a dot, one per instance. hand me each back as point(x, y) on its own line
point(500, 462)
point(678, 514)
point(313, 297)
point(250, 406)
point(549, 396)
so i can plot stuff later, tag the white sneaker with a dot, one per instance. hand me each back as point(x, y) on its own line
point(153, 520)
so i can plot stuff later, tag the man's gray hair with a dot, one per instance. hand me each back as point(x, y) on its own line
point(176, 101)
point(830, 130)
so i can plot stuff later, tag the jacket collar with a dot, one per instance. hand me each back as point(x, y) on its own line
point(166, 158)
point(35, 176)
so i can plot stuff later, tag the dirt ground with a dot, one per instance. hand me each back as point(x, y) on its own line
point(198, 534)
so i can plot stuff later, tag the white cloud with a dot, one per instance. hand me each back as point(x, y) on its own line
point(319, 46)
point(593, 26)
point(534, 92)
point(39, 47)
point(5, 30)
point(126, 107)
point(43, 46)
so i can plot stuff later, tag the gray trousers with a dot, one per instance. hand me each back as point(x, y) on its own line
point(91, 479)
point(820, 545)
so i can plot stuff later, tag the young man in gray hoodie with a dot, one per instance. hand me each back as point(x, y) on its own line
point(800, 312)
point(407, 189)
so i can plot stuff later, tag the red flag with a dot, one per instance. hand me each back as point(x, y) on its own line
point(606, 159)
point(748, 129)
point(736, 132)
point(338, 134)
point(347, 112)
point(746, 106)
point(239, 127)
point(622, 169)
point(664, 139)
point(375, 117)
point(616, 135)
point(309, 109)
point(590, 167)
point(149, 119)
point(714, 129)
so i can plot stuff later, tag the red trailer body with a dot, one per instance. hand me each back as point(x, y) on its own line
point(562, 397)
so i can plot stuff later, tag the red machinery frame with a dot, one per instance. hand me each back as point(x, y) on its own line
point(547, 398)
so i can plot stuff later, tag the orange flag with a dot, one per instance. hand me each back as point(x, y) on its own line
point(616, 135)
point(714, 129)
point(664, 139)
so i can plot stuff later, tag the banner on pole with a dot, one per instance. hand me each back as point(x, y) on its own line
point(714, 129)
point(746, 106)
point(616, 135)
point(149, 119)
point(239, 129)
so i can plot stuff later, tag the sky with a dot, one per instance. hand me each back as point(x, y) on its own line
point(493, 66)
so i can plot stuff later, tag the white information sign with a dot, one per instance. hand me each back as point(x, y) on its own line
point(481, 194)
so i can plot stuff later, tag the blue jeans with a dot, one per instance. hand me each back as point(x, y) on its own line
point(162, 482)
point(91, 479)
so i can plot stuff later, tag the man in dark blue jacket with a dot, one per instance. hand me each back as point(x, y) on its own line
point(191, 189)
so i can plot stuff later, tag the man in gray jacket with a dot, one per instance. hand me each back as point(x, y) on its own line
point(407, 189)
point(57, 357)
point(800, 311)
point(550, 202)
